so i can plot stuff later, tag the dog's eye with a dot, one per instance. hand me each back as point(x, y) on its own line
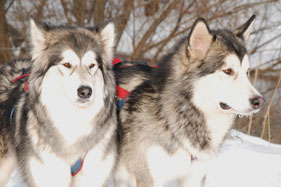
point(248, 72)
point(228, 71)
point(67, 65)
point(91, 66)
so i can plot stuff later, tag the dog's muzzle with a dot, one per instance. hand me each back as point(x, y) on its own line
point(255, 102)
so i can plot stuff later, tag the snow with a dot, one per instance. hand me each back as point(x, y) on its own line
point(246, 161)
point(243, 161)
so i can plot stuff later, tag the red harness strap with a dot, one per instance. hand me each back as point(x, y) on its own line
point(122, 93)
point(21, 76)
point(116, 61)
point(25, 89)
point(25, 83)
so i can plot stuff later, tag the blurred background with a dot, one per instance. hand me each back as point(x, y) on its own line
point(148, 29)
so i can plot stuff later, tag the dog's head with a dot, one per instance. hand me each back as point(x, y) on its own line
point(220, 66)
point(72, 64)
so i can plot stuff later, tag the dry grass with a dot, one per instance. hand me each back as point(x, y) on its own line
point(267, 123)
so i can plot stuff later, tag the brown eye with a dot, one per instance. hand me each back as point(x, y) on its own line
point(91, 66)
point(67, 65)
point(228, 71)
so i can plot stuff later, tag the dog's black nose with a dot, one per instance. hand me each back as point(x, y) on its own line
point(84, 92)
point(257, 102)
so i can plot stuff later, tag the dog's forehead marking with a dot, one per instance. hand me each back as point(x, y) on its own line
point(70, 56)
point(246, 62)
point(232, 60)
point(89, 57)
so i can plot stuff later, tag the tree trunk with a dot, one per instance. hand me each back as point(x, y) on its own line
point(99, 11)
point(5, 44)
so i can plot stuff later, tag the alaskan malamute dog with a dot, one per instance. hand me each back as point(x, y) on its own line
point(63, 115)
point(175, 121)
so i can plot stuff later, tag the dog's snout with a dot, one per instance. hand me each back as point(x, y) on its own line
point(84, 92)
point(257, 102)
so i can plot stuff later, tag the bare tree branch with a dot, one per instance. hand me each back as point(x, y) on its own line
point(66, 11)
point(123, 18)
point(164, 14)
point(9, 5)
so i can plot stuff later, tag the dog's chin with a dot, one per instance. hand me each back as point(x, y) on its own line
point(226, 108)
point(82, 103)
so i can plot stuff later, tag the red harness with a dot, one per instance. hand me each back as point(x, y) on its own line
point(25, 83)
point(120, 92)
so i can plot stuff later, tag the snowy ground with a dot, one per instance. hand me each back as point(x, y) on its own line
point(244, 161)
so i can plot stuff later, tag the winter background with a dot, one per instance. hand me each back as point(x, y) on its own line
point(243, 160)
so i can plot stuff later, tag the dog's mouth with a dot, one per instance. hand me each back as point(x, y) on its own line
point(227, 108)
point(82, 102)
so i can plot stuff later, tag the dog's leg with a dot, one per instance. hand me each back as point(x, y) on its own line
point(96, 170)
point(194, 180)
point(8, 164)
point(197, 176)
point(47, 170)
point(144, 183)
point(121, 176)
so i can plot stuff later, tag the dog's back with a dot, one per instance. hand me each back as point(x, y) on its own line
point(129, 75)
point(12, 77)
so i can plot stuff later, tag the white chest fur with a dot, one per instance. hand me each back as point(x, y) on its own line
point(165, 167)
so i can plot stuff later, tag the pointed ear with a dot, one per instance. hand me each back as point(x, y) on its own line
point(38, 36)
point(244, 31)
point(108, 38)
point(200, 39)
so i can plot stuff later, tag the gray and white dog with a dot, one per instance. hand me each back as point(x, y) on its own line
point(63, 113)
point(175, 120)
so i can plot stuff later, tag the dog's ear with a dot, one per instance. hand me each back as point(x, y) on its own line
point(244, 31)
point(108, 39)
point(200, 40)
point(37, 36)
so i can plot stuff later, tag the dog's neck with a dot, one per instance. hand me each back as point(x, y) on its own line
point(217, 122)
point(204, 126)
